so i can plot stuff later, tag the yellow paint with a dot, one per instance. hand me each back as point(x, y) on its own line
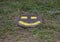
point(33, 17)
point(24, 17)
point(29, 24)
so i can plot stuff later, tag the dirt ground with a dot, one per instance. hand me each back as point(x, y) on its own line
point(20, 36)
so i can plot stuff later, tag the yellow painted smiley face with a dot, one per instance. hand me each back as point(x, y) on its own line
point(29, 20)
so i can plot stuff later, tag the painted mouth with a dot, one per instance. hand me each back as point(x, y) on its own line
point(29, 24)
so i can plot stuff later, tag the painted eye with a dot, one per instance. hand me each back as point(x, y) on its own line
point(33, 17)
point(24, 17)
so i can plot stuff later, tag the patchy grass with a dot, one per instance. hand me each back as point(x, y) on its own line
point(9, 10)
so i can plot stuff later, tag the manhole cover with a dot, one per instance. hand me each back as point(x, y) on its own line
point(28, 20)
